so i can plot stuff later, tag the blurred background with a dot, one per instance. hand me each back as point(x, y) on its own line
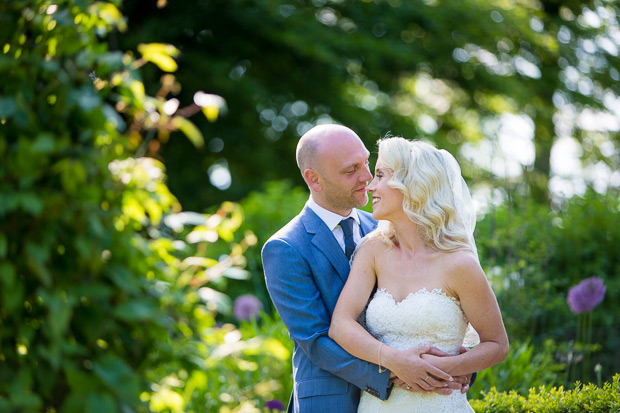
point(148, 152)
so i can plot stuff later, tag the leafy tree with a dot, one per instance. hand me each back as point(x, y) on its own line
point(444, 71)
point(95, 301)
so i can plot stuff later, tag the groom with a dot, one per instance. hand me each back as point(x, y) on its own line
point(306, 265)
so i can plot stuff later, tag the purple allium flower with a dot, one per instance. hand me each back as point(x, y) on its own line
point(275, 404)
point(247, 307)
point(586, 295)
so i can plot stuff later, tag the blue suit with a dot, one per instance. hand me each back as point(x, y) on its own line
point(305, 271)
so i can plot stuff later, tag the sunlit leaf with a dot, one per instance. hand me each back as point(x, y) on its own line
point(276, 349)
point(167, 400)
point(199, 261)
point(236, 273)
point(137, 88)
point(222, 302)
point(189, 129)
point(160, 54)
point(211, 112)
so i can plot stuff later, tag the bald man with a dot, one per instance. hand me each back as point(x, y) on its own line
point(306, 267)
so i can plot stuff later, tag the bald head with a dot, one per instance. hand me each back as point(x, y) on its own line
point(334, 163)
point(319, 141)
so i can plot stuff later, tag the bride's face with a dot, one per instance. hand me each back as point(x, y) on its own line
point(387, 202)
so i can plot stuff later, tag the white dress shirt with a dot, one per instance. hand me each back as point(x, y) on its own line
point(332, 220)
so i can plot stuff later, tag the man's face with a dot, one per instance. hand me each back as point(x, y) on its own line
point(344, 174)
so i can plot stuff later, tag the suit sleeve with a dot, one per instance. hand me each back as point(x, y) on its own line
point(302, 309)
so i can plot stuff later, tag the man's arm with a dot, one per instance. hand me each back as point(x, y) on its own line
point(301, 307)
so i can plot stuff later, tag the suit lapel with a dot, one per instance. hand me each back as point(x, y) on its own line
point(323, 239)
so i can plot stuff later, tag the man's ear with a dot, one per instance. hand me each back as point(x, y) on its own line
point(312, 179)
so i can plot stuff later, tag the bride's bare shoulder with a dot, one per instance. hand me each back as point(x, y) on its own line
point(462, 262)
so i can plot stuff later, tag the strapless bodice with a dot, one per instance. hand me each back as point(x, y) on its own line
point(423, 318)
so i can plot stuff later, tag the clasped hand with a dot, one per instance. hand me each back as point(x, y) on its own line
point(411, 373)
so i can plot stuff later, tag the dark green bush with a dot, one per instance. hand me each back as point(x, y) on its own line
point(533, 255)
point(583, 398)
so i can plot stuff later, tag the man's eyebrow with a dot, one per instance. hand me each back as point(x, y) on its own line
point(351, 165)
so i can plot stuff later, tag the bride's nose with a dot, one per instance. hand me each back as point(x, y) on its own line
point(371, 186)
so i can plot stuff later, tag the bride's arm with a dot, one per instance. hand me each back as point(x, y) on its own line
point(466, 280)
point(351, 336)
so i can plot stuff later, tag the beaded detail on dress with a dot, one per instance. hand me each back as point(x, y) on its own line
point(423, 318)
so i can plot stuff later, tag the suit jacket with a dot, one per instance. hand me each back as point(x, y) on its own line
point(305, 271)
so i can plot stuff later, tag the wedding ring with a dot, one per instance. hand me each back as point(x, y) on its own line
point(426, 378)
point(408, 387)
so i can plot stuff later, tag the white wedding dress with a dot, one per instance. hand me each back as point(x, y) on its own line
point(423, 318)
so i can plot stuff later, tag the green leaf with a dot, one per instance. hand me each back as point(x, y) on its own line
point(118, 376)
point(137, 310)
point(30, 202)
point(59, 312)
point(36, 259)
point(44, 143)
point(100, 403)
point(81, 382)
point(190, 130)
point(12, 293)
point(4, 246)
point(7, 107)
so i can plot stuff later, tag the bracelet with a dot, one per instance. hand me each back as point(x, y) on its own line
point(379, 357)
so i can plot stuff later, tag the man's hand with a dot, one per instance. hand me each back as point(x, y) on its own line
point(440, 386)
point(467, 378)
point(433, 384)
point(466, 383)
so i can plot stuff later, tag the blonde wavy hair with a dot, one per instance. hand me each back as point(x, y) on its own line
point(420, 172)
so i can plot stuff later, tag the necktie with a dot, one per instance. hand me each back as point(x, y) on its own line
point(349, 243)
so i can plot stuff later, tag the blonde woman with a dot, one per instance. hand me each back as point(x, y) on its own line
point(423, 260)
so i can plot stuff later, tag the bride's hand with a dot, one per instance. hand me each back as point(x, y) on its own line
point(417, 374)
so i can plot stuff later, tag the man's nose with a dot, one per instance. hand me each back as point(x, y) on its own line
point(367, 176)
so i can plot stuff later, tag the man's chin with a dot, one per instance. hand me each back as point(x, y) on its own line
point(361, 202)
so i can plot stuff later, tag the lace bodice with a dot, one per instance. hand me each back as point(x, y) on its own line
point(423, 318)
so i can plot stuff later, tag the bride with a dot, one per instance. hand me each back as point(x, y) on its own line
point(430, 285)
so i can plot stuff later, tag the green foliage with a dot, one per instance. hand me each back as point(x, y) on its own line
point(242, 368)
point(264, 213)
point(525, 367)
point(412, 68)
point(95, 293)
point(588, 398)
point(533, 255)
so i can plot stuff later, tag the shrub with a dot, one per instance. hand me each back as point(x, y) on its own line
point(583, 398)
point(533, 255)
point(243, 368)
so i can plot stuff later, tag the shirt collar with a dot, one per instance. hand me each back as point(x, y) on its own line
point(331, 219)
